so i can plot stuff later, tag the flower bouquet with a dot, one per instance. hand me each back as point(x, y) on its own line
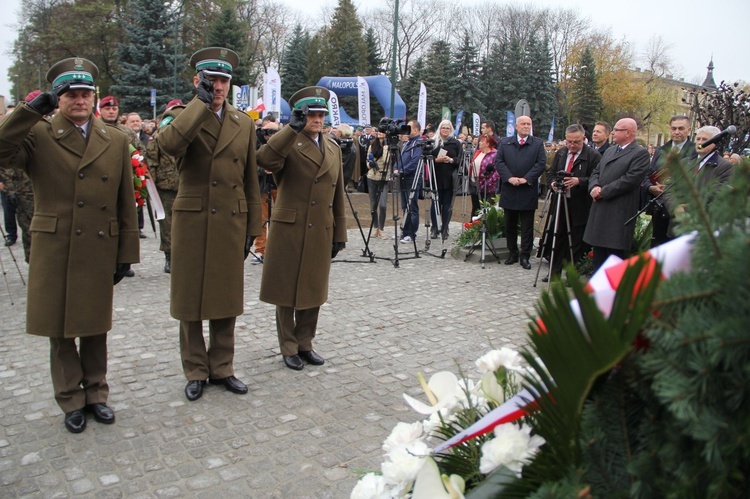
point(489, 214)
point(140, 176)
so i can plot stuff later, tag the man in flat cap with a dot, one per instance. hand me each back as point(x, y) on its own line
point(215, 218)
point(308, 224)
point(84, 231)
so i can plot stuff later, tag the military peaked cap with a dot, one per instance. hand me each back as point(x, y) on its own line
point(316, 99)
point(75, 71)
point(215, 61)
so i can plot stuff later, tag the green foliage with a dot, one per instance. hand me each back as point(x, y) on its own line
point(468, 94)
point(346, 43)
point(294, 62)
point(586, 98)
point(227, 31)
point(438, 79)
point(375, 60)
point(409, 88)
point(147, 58)
point(492, 217)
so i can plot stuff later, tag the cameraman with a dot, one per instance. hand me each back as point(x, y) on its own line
point(349, 153)
point(570, 171)
point(268, 127)
point(410, 154)
point(378, 175)
point(446, 152)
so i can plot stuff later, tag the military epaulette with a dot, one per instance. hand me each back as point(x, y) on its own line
point(166, 121)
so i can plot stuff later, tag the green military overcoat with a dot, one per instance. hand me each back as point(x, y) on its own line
point(307, 218)
point(217, 206)
point(84, 220)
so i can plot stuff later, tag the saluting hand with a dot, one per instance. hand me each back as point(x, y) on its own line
point(47, 102)
point(299, 119)
point(205, 89)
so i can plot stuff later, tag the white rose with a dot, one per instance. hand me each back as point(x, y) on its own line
point(512, 447)
point(371, 486)
point(403, 463)
point(402, 435)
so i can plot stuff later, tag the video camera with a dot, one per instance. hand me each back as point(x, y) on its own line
point(559, 180)
point(427, 145)
point(263, 134)
point(392, 128)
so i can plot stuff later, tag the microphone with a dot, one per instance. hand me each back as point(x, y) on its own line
point(371, 157)
point(731, 130)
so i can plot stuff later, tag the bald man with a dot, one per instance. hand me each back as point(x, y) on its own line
point(615, 189)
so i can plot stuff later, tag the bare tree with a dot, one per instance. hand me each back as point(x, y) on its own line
point(563, 28)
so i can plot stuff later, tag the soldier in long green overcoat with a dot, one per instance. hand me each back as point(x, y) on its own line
point(308, 224)
point(84, 231)
point(215, 217)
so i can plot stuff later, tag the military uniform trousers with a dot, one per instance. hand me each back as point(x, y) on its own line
point(198, 363)
point(296, 329)
point(79, 375)
point(165, 226)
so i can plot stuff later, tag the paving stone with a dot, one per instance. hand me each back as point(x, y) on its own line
point(380, 327)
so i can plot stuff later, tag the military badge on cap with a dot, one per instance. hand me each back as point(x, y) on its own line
point(316, 99)
point(215, 61)
point(77, 72)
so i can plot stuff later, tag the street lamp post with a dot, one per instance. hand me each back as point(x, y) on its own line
point(393, 62)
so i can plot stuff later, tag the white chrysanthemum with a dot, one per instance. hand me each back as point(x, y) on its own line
point(403, 434)
point(403, 463)
point(512, 447)
point(371, 486)
point(505, 357)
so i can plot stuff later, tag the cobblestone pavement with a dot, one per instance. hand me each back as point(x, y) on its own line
point(295, 434)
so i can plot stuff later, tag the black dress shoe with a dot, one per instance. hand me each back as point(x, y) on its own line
point(75, 421)
point(142, 235)
point(230, 383)
point(130, 273)
point(102, 413)
point(433, 233)
point(311, 358)
point(545, 278)
point(194, 389)
point(293, 362)
point(10, 241)
point(511, 260)
point(525, 263)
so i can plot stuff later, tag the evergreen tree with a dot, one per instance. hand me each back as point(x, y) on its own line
point(409, 88)
point(439, 80)
point(492, 80)
point(468, 93)
point(540, 86)
point(147, 58)
point(293, 70)
point(586, 97)
point(318, 57)
point(375, 61)
point(227, 31)
point(348, 52)
point(515, 82)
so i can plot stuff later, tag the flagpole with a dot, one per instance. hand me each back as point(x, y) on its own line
point(393, 64)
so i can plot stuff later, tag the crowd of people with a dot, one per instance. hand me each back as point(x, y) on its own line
point(229, 185)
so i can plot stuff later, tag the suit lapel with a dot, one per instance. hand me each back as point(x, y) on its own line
point(230, 127)
point(67, 136)
point(328, 155)
point(307, 147)
point(99, 140)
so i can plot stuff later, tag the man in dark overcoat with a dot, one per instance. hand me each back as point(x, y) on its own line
point(308, 224)
point(215, 217)
point(615, 189)
point(679, 131)
point(578, 161)
point(520, 160)
point(84, 231)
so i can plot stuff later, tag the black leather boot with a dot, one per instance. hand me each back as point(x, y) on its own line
point(167, 263)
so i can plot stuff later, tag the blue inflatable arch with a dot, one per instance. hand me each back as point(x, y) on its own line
point(380, 87)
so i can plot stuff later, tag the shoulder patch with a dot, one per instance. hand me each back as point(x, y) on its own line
point(166, 121)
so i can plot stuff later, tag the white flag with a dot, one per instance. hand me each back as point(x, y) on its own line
point(422, 109)
point(272, 92)
point(334, 111)
point(477, 125)
point(363, 101)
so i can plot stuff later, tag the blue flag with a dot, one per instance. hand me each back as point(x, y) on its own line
point(510, 126)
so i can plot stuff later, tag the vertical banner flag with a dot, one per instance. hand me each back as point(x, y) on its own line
point(422, 109)
point(241, 97)
point(334, 111)
point(363, 101)
point(446, 113)
point(459, 122)
point(272, 92)
point(551, 135)
point(236, 96)
point(477, 125)
point(510, 124)
point(153, 101)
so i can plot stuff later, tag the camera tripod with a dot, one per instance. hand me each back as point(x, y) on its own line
point(552, 226)
point(486, 241)
point(464, 172)
point(2, 267)
point(426, 174)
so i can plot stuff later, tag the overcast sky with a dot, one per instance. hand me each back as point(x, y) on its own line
point(696, 30)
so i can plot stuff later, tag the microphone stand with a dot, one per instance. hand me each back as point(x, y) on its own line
point(651, 203)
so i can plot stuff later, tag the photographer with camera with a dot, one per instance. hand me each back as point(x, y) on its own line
point(349, 152)
point(446, 152)
point(377, 177)
point(410, 154)
point(570, 171)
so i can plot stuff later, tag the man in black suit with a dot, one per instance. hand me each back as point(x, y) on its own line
point(712, 170)
point(579, 162)
point(520, 161)
point(600, 136)
point(679, 130)
point(615, 188)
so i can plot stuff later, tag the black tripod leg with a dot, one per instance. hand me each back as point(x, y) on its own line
point(366, 239)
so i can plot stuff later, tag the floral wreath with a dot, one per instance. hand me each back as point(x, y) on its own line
point(140, 176)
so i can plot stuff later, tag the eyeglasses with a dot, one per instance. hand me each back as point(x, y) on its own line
point(620, 129)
